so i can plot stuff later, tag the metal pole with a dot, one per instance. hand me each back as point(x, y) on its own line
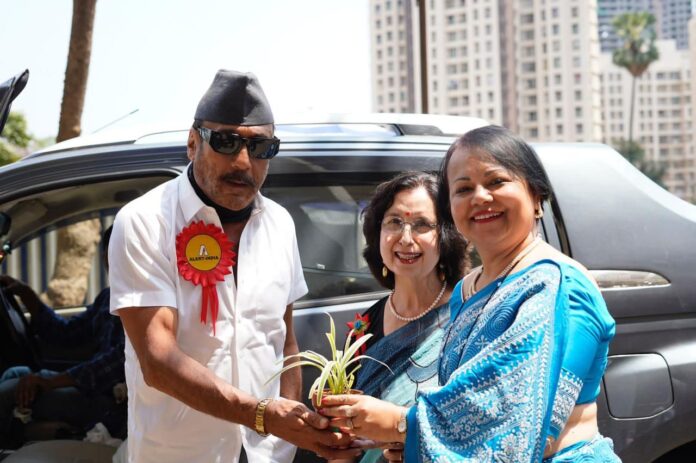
point(422, 22)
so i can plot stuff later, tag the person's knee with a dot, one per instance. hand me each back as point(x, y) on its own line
point(15, 372)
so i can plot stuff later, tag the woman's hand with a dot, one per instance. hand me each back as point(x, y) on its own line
point(364, 416)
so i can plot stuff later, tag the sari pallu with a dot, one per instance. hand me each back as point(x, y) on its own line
point(412, 354)
point(500, 367)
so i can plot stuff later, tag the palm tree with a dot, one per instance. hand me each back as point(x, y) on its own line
point(638, 50)
point(76, 243)
point(635, 154)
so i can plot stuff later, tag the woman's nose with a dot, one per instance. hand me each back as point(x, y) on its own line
point(481, 195)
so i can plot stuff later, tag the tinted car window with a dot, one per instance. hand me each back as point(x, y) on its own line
point(329, 235)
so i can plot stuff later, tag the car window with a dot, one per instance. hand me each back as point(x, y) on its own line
point(34, 261)
point(328, 225)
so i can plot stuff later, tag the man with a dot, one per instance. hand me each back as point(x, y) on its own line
point(204, 274)
point(82, 395)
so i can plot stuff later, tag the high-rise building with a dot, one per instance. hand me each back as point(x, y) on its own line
point(663, 120)
point(392, 56)
point(672, 18)
point(531, 65)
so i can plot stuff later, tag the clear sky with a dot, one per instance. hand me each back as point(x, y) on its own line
point(159, 56)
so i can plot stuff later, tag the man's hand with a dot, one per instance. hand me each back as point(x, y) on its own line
point(28, 388)
point(25, 293)
point(297, 424)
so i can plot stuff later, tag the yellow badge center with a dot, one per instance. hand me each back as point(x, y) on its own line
point(203, 252)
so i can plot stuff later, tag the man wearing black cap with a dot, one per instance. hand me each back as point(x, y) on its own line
point(204, 274)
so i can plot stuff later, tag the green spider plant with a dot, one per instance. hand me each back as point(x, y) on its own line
point(337, 374)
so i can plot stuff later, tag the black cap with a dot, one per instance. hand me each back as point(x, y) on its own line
point(235, 98)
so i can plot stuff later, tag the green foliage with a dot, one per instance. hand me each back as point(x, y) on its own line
point(17, 141)
point(635, 154)
point(337, 374)
point(14, 138)
point(638, 50)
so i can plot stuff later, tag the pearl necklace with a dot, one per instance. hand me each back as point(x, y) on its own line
point(390, 304)
point(471, 290)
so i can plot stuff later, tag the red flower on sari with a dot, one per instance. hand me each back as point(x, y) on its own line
point(359, 327)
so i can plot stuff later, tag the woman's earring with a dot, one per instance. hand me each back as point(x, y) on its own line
point(442, 272)
point(538, 213)
point(385, 272)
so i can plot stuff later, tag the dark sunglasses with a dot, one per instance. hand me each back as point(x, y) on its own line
point(231, 143)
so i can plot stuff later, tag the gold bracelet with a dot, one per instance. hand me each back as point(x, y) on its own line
point(259, 425)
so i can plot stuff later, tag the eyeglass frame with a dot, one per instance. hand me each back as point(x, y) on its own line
point(431, 226)
point(208, 134)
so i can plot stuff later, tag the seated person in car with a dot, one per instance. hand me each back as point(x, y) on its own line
point(82, 395)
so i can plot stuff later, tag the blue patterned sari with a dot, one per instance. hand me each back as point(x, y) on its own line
point(500, 370)
point(412, 354)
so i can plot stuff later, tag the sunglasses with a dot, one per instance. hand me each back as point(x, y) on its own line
point(231, 143)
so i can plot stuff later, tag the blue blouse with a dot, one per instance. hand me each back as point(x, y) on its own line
point(517, 357)
point(590, 328)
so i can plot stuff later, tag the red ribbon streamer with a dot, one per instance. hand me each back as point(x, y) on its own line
point(207, 279)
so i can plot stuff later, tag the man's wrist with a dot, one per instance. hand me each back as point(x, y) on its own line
point(260, 417)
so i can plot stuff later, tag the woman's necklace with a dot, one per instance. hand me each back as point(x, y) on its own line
point(390, 304)
point(471, 289)
point(470, 292)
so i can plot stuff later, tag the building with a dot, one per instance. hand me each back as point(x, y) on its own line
point(393, 68)
point(672, 19)
point(663, 118)
point(531, 65)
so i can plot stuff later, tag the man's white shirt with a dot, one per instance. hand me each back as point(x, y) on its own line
point(250, 330)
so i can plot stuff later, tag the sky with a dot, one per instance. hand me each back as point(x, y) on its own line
point(159, 56)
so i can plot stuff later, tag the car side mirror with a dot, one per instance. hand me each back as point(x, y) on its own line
point(8, 92)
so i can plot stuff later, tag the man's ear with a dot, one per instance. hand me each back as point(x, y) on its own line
point(192, 144)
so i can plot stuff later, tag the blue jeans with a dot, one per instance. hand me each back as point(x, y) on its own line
point(66, 404)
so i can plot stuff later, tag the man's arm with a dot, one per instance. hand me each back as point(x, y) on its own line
point(29, 386)
point(167, 368)
point(291, 380)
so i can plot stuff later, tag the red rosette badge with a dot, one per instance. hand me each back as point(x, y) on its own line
point(204, 256)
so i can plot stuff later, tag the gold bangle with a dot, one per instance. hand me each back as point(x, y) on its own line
point(259, 425)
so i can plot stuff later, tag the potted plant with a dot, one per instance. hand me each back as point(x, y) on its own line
point(337, 374)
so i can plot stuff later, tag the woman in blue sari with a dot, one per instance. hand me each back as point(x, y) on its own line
point(527, 344)
point(410, 252)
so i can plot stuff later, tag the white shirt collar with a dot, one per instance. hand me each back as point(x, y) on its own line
point(191, 204)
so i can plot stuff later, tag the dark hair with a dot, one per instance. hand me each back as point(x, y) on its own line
point(451, 245)
point(504, 148)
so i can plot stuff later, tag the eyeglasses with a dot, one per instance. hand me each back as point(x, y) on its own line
point(396, 226)
point(231, 143)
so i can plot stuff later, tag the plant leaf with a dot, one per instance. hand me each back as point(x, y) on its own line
point(367, 357)
point(332, 336)
point(318, 359)
point(313, 389)
point(293, 365)
point(349, 338)
point(323, 378)
point(357, 344)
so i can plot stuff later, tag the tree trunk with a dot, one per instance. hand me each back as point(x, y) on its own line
point(633, 107)
point(76, 243)
point(76, 246)
point(77, 70)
